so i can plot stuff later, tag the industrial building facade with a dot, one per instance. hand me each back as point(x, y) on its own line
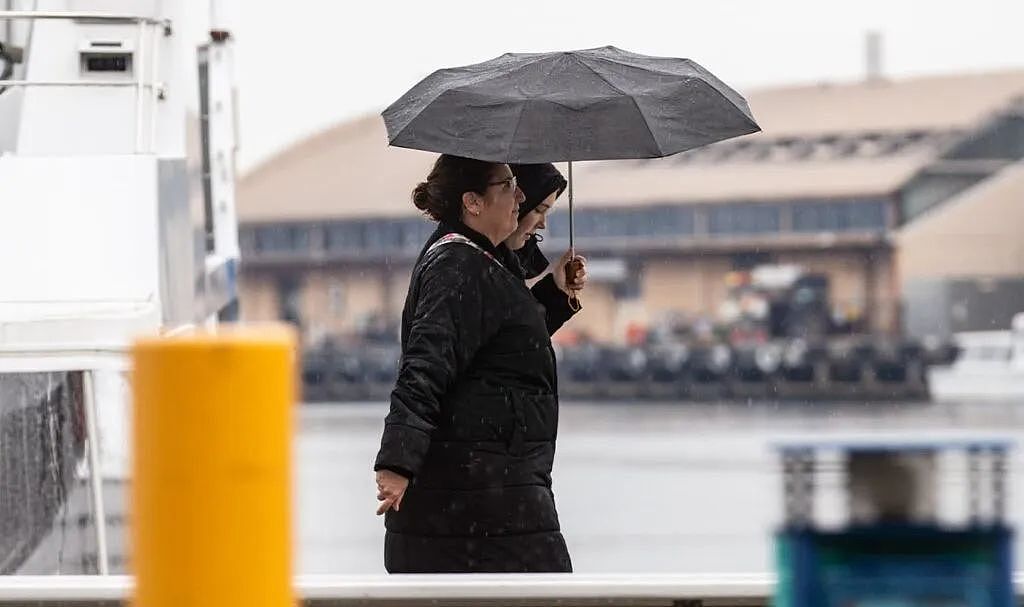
point(884, 187)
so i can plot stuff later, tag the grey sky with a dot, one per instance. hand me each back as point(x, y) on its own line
point(307, 64)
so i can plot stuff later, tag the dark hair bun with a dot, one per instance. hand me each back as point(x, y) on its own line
point(434, 207)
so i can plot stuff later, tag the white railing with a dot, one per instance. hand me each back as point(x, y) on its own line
point(437, 590)
point(565, 590)
point(140, 83)
point(85, 16)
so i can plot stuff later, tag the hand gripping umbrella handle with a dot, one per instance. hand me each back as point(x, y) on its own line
point(572, 268)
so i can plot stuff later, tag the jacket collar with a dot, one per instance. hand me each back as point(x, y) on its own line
point(501, 252)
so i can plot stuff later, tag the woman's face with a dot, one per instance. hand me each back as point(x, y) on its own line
point(498, 214)
point(531, 222)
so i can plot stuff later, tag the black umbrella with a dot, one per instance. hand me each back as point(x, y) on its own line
point(596, 104)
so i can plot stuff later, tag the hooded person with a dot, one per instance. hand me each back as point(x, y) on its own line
point(541, 184)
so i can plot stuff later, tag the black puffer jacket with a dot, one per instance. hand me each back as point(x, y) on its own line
point(473, 421)
point(531, 263)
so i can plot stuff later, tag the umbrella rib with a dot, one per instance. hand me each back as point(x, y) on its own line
point(646, 124)
point(488, 76)
point(475, 79)
point(698, 68)
point(701, 74)
point(625, 94)
point(646, 68)
point(595, 72)
point(715, 91)
point(515, 132)
point(522, 110)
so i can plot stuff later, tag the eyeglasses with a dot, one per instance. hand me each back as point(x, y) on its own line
point(509, 183)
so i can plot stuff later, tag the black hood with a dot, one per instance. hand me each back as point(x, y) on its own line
point(537, 181)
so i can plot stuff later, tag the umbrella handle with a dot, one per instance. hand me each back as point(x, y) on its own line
point(572, 267)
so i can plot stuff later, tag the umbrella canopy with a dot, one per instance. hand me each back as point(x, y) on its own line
point(595, 104)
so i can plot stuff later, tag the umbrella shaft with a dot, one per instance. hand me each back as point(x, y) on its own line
point(572, 239)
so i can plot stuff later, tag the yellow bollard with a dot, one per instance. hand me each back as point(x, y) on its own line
point(211, 494)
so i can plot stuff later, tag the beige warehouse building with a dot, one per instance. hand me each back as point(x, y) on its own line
point(879, 185)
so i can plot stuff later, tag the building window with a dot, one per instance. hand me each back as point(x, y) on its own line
point(413, 233)
point(281, 239)
point(385, 235)
point(377, 235)
point(743, 219)
point(844, 216)
point(345, 236)
point(663, 220)
point(247, 240)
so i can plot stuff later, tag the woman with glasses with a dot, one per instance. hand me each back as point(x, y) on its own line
point(541, 185)
point(464, 467)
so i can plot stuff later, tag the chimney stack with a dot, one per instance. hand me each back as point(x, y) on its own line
point(873, 56)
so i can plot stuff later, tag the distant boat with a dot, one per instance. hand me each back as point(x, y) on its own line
point(990, 367)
